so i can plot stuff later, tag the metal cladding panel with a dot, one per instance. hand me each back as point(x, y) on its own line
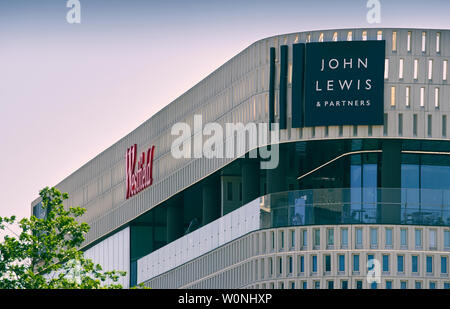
point(272, 86)
point(283, 85)
point(113, 253)
point(298, 60)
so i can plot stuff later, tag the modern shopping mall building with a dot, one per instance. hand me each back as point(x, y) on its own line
point(363, 172)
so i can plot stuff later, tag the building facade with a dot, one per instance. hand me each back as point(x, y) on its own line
point(340, 196)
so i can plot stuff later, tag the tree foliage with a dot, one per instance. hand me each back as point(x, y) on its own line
point(46, 255)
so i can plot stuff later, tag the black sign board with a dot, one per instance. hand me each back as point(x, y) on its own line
point(343, 83)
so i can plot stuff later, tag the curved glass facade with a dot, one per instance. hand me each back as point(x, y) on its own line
point(339, 206)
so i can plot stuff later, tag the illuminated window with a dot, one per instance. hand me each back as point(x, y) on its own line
point(408, 42)
point(349, 36)
point(364, 35)
point(407, 96)
point(335, 36)
point(379, 35)
point(438, 42)
point(392, 95)
point(416, 68)
point(400, 68)
point(444, 69)
point(394, 40)
point(436, 97)
point(308, 38)
point(321, 37)
point(430, 69)
point(422, 96)
point(424, 41)
point(290, 73)
point(296, 39)
point(386, 68)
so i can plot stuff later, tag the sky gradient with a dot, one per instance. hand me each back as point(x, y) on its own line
point(69, 91)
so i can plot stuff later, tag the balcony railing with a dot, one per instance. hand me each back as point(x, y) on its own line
point(356, 206)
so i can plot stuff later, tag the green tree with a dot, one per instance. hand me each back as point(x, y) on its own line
point(46, 255)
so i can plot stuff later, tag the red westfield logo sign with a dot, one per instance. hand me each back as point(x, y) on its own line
point(143, 177)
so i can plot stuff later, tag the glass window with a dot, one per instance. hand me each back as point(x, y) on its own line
point(443, 264)
point(330, 237)
point(436, 97)
point(400, 263)
point(379, 35)
point(415, 124)
point(447, 239)
point(344, 284)
point(429, 261)
point(418, 237)
point(349, 36)
point(430, 68)
point(292, 238)
point(330, 284)
point(394, 40)
point(369, 258)
point(388, 284)
point(422, 96)
point(373, 236)
point(415, 263)
point(444, 125)
point(392, 96)
point(373, 285)
point(304, 285)
point(408, 41)
point(418, 284)
point(432, 285)
point(424, 40)
point(400, 68)
point(364, 35)
point(386, 68)
point(317, 284)
point(335, 36)
point(316, 237)
point(341, 262)
point(359, 240)
point(432, 234)
point(446, 285)
point(429, 123)
point(327, 263)
point(388, 236)
point(302, 264)
point(321, 37)
point(407, 96)
point(403, 237)
point(400, 124)
point(314, 264)
point(416, 68)
point(385, 262)
point(304, 237)
point(403, 285)
point(444, 69)
point(359, 284)
point(356, 262)
point(438, 42)
point(344, 237)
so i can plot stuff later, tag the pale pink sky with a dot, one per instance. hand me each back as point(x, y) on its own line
point(68, 92)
